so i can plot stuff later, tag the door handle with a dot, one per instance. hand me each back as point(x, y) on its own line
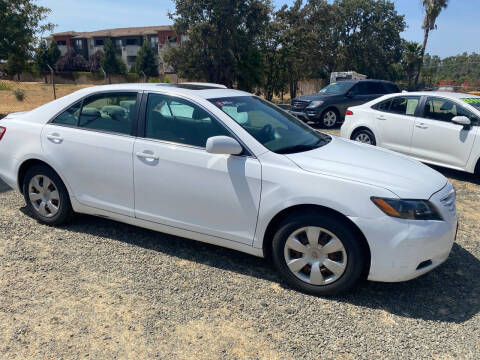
point(55, 138)
point(147, 156)
point(381, 118)
point(421, 126)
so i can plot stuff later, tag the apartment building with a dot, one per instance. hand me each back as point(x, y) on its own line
point(126, 40)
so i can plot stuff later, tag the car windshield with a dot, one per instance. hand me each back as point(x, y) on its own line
point(473, 101)
point(274, 128)
point(336, 88)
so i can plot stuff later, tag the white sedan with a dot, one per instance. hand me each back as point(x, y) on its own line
point(434, 127)
point(228, 168)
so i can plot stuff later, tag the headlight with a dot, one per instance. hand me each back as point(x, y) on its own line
point(408, 209)
point(315, 104)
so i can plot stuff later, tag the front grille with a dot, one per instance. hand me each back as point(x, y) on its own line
point(449, 202)
point(299, 105)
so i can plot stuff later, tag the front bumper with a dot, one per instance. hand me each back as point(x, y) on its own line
point(405, 249)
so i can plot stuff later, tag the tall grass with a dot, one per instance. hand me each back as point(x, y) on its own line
point(5, 86)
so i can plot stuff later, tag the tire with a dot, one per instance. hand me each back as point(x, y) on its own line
point(330, 118)
point(46, 196)
point(330, 229)
point(364, 136)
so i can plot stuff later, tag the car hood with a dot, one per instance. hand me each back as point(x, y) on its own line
point(407, 178)
point(314, 97)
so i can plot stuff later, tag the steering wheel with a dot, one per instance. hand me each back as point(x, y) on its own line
point(267, 133)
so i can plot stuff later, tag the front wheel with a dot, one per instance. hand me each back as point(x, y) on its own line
point(318, 254)
point(329, 118)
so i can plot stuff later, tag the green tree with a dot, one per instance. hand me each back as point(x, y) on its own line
point(433, 8)
point(45, 56)
point(222, 43)
point(111, 61)
point(21, 21)
point(146, 61)
point(411, 59)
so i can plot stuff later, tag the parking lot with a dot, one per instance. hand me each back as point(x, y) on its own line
point(97, 289)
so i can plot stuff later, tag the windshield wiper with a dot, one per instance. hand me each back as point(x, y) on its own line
point(325, 139)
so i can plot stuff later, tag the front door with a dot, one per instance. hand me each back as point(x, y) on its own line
point(437, 139)
point(91, 145)
point(178, 183)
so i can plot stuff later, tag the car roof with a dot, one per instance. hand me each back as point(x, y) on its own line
point(352, 81)
point(444, 94)
point(203, 90)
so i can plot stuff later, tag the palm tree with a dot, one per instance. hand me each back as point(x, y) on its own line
point(411, 60)
point(432, 10)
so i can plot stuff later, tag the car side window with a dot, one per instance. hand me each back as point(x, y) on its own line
point(180, 121)
point(362, 88)
point(111, 112)
point(70, 116)
point(445, 110)
point(384, 106)
point(404, 105)
point(376, 88)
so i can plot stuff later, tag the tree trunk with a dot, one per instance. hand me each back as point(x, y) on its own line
point(425, 40)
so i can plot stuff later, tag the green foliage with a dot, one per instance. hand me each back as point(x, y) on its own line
point(5, 86)
point(153, 80)
point(222, 45)
point(45, 56)
point(411, 60)
point(132, 77)
point(19, 94)
point(111, 62)
point(21, 21)
point(166, 80)
point(146, 61)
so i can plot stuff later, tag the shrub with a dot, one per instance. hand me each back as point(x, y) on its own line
point(4, 86)
point(166, 80)
point(153, 80)
point(19, 94)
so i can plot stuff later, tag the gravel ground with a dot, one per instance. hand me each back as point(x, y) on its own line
point(101, 290)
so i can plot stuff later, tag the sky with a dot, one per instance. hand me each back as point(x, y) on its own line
point(455, 34)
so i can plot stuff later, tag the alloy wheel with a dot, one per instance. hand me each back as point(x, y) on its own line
point(44, 196)
point(363, 138)
point(315, 255)
point(330, 118)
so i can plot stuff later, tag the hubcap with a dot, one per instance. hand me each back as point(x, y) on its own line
point(44, 196)
point(363, 138)
point(315, 255)
point(330, 118)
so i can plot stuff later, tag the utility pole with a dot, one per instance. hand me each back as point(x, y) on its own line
point(53, 81)
point(104, 75)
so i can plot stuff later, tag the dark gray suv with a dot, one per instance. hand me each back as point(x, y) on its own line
point(328, 106)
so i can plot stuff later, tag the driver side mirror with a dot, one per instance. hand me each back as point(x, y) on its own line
point(223, 145)
point(462, 120)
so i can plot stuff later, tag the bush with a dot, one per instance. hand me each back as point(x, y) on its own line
point(166, 80)
point(4, 86)
point(19, 94)
point(153, 80)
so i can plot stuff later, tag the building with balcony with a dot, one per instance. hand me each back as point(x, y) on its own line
point(126, 40)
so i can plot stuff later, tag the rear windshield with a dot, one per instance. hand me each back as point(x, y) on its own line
point(336, 88)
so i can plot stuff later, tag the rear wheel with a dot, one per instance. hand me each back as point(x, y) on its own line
point(46, 196)
point(317, 254)
point(364, 136)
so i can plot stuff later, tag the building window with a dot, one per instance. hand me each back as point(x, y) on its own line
point(99, 42)
point(154, 42)
point(61, 43)
point(132, 41)
point(79, 44)
point(118, 43)
point(131, 59)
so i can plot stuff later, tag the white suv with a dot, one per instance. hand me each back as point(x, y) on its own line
point(434, 127)
point(228, 168)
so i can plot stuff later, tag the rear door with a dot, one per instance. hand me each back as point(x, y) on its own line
point(91, 144)
point(395, 120)
point(437, 139)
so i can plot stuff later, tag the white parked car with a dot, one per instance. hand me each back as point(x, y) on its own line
point(434, 127)
point(228, 168)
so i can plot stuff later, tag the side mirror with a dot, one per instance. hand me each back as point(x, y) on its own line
point(462, 120)
point(349, 94)
point(223, 145)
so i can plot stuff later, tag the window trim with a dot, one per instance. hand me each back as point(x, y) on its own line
point(417, 112)
point(142, 123)
point(133, 131)
point(455, 101)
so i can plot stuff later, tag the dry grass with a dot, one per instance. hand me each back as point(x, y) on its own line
point(36, 94)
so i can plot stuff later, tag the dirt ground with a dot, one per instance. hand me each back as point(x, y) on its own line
point(97, 289)
point(36, 94)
